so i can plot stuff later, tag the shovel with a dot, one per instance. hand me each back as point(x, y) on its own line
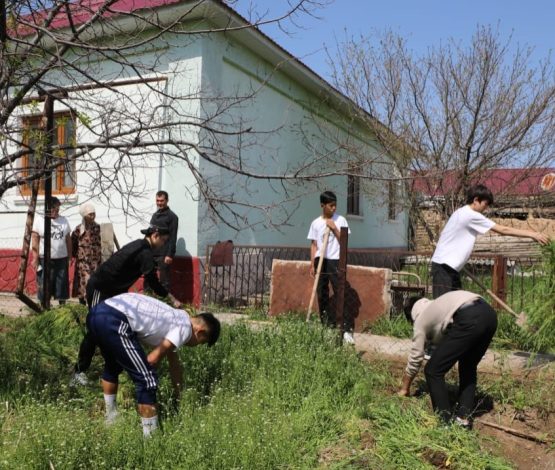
point(520, 317)
point(318, 271)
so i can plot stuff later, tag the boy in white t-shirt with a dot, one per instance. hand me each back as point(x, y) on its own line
point(457, 239)
point(328, 219)
point(120, 324)
point(60, 251)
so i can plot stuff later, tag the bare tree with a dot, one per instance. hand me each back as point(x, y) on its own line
point(101, 62)
point(456, 108)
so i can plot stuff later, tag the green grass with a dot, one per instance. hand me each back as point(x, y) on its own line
point(283, 397)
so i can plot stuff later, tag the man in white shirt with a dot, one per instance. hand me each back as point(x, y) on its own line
point(60, 251)
point(333, 222)
point(457, 239)
point(120, 324)
point(461, 325)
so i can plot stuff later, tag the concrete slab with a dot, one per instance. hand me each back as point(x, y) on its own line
point(367, 292)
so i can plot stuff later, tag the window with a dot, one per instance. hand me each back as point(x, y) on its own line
point(63, 179)
point(353, 195)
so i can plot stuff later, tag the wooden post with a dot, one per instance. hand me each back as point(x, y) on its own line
point(341, 279)
point(19, 290)
point(499, 278)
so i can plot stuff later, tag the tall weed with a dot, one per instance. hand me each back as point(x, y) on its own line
point(540, 305)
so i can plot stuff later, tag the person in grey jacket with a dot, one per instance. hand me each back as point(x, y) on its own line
point(461, 324)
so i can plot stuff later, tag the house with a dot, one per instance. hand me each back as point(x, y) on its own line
point(273, 115)
point(524, 198)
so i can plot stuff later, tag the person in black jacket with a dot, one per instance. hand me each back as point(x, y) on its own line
point(163, 256)
point(115, 276)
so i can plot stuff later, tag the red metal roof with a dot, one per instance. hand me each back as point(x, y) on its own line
point(501, 181)
point(83, 10)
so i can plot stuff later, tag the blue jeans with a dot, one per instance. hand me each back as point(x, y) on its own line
point(59, 280)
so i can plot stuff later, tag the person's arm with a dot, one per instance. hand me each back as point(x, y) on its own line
point(515, 232)
point(313, 249)
point(331, 224)
point(74, 241)
point(96, 243)
point(176, 373)
point(159, 352)
point(406, 382)
point(68, 246)
point(35, 243)
point(149, 272)
point(414, 361)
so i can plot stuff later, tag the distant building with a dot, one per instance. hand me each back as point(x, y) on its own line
point(524, 198)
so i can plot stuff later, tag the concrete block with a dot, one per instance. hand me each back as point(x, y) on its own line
point(367, 292)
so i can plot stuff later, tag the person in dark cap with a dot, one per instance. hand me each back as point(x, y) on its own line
point(115, 276)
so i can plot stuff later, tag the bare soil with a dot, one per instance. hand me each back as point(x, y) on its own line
point(523, 453)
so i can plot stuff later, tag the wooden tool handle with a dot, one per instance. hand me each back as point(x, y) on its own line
point(318, 271)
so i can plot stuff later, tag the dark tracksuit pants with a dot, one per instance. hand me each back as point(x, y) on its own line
point(121, 350)
point(444, 279)
point(465, 341)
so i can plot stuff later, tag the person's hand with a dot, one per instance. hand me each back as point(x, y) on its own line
point(168, 260)
point(153, 358)
point(541, 238)
point(331, 224)
point(403, 392)
point(312, 271)
point(176, 303)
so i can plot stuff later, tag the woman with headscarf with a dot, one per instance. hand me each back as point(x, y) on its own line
point(86, 250)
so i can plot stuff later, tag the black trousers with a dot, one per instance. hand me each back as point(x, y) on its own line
point(87, 347)
point(444, 279)
point(465, 341)
point(164, 273)
point(326, 306)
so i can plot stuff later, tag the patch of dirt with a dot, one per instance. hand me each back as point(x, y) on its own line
point(525, 454)
point(11, 306)
point(436, 458)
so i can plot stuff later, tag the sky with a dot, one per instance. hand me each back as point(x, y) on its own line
point(423, 23)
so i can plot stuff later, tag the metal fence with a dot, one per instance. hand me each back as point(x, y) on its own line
point(246, 282)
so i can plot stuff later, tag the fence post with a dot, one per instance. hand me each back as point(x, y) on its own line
point(341, 278)
point(499, 278)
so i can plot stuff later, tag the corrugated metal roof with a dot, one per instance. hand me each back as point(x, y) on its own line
point(505, 181)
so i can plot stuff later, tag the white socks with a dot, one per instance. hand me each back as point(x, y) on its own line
point(149, 425)
point(111, 408)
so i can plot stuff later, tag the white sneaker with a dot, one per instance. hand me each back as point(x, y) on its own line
point(79, 379)
point(111, 418)
point(348, 338)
